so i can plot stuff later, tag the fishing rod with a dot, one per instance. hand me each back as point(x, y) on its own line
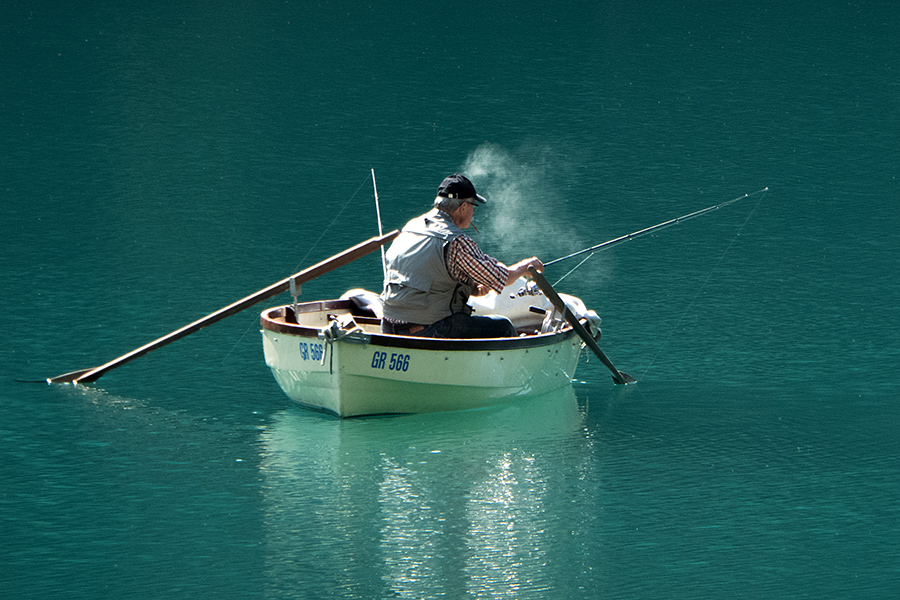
point(659, 226)
point(378, 214)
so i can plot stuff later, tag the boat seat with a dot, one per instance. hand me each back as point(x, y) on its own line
point(364, 303)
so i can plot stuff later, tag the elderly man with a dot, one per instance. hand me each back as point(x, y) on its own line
point(433, 267)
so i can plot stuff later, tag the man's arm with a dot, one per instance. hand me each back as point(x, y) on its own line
point(465, 258)
point(466, 261)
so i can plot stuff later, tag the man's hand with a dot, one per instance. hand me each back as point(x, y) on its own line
point(521, 268)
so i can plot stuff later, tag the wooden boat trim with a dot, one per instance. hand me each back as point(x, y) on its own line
point(278, 320)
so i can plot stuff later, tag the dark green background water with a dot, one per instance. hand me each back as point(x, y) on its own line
point(160, 162)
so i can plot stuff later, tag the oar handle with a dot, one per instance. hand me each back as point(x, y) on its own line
point(541, 281)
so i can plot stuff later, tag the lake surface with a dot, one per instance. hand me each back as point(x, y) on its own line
point(159, 163)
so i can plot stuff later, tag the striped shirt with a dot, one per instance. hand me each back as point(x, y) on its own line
point(465, 260)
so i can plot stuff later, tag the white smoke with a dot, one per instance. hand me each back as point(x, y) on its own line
point(526, 214)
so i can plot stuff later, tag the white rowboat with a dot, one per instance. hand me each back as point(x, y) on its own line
point(331, 356)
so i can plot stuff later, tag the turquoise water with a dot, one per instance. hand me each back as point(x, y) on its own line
point(160, 163)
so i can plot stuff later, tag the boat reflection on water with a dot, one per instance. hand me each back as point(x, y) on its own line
point(419, 505)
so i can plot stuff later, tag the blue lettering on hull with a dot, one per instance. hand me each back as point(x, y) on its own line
point(396, 362)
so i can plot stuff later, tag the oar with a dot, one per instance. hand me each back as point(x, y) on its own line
point(618, 376)
point(338, 260)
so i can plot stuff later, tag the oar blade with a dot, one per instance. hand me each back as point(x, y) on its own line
point(69, 377)
point(625, 380)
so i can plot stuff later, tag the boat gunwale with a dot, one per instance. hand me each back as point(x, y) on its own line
point(409, 342)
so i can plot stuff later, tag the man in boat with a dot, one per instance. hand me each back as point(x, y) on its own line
point(433, 267)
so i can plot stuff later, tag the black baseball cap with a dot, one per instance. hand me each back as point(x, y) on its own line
point(458, 186)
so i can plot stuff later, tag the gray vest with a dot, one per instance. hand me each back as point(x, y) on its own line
point(418, 288)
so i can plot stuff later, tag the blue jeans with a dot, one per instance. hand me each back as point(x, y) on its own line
point(463, 326)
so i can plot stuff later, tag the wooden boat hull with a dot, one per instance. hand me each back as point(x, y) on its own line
point(355, 370)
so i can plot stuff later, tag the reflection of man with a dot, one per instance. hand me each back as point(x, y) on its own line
point(433, 267)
